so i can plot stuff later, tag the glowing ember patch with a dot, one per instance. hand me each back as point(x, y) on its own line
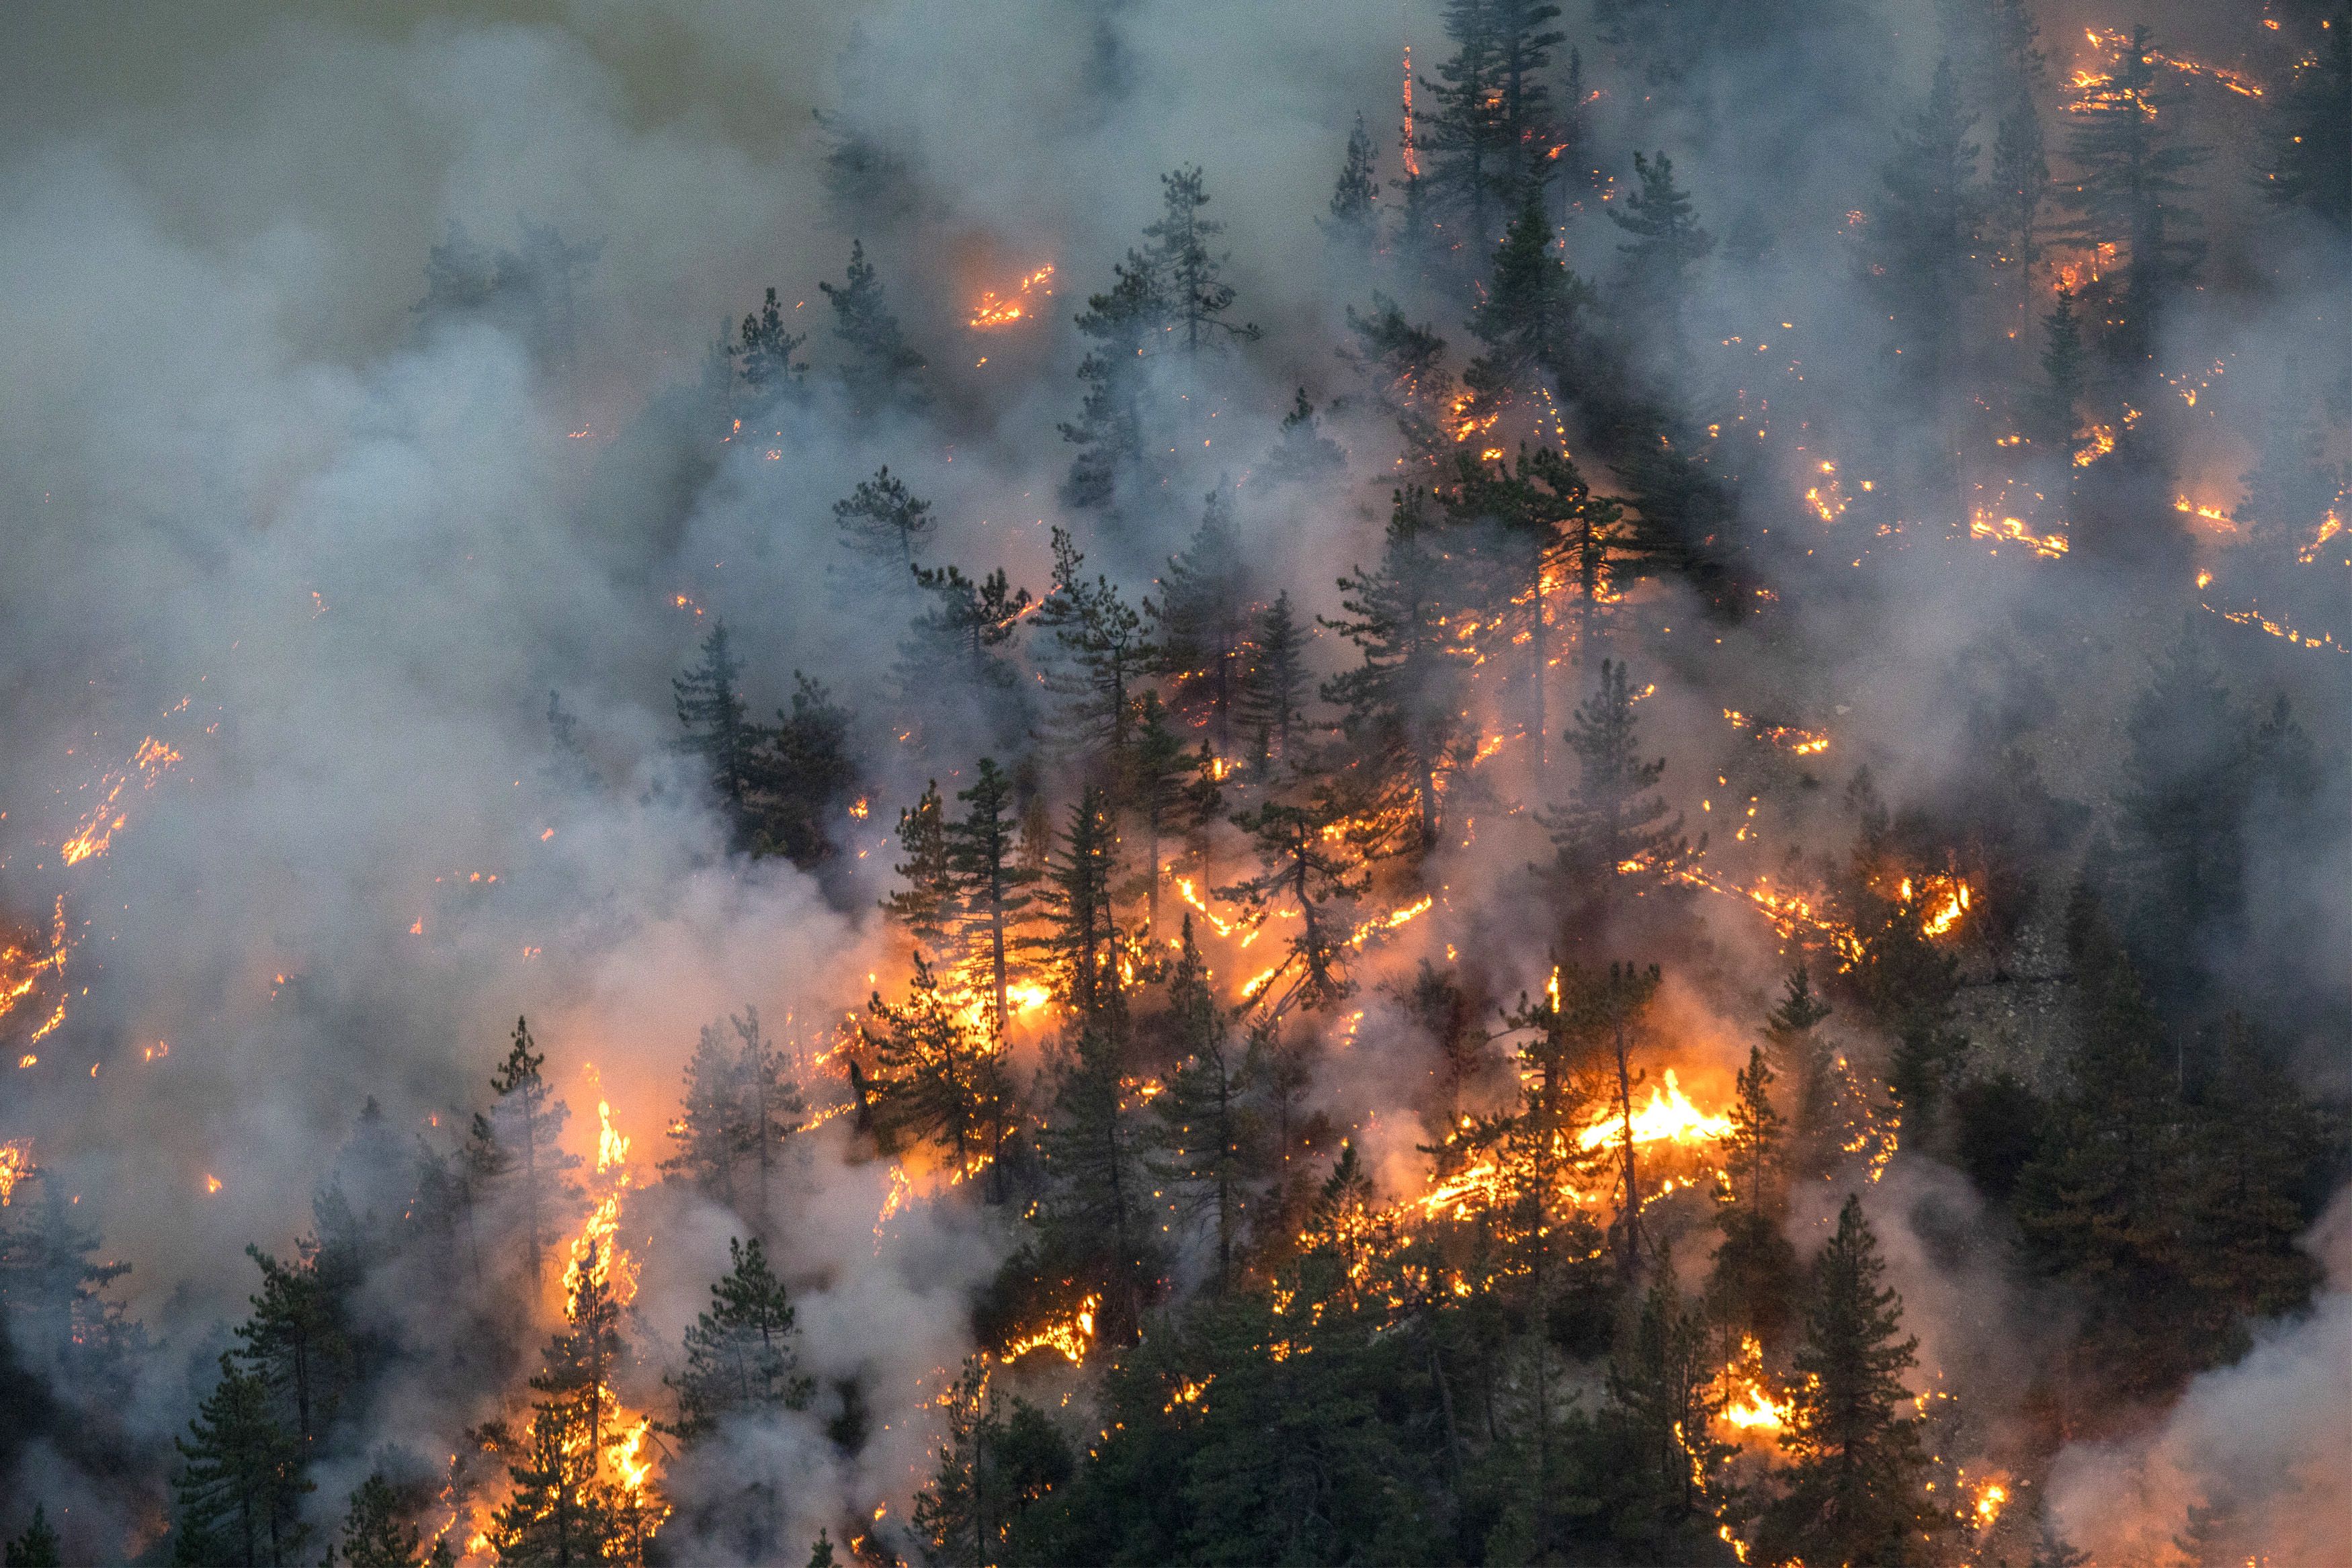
point(1070, 1338)
point(2329, 527)
point(1990, 1499)
point(102, 821)
point(1188, 1392)
point(1985, 526)
point(212, 1185)
point(15, 1163)
point(2102, 441)
point(1016, 305)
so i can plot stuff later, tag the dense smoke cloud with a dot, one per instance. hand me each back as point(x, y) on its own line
point(336, 553)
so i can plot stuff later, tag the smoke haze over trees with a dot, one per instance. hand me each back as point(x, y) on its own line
point(1088, 779)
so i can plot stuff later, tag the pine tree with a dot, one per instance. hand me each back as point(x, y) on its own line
point(952, 654)
point(936, 1075)
point(762, 353)
point(2180, 848)
point(1081, 939)
point(2307, 164)
point(1303, 455)
point(1924, 234)
point(706, 1127)
point(379, 1531)
point(718, 728)
point(1118, 421)
point(881, 372)
point(1206, 1133)
point(38, 1546)
point(1616, 830)
point(1192, 283)
point(2065, 368)
point(1855, 1486)
point(740, 1353)
point(1613, 1008)
point(1401, 709)
point(1529, 322)
point(1312, 853)
point(1658, 1424)
point(1171, 789)
point(563, 1509)
point(960, 1514)
point(882, 521)
point(1753, 1285)
point(533, 1120)
point(2132, 189)
point(821, 1552)
point(241, 1479)
point(1201, 623)
point(1355, 221)
point(802, 776)
point(1275, 685)
point(57, 1313)
point(1102, 653)
point(1403, 366)
point(1096, 1214)
point(1490, 129)
point(994, 887)
point(768, 1107)
point(2020, 177)
point(926, 906)
point(1667, 248)
point(297, 1338)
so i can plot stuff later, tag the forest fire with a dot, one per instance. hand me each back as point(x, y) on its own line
point(1070, 1337)
point(1017, 302)
point(102, 821)
point(1667, 1117)
point(1214, 758)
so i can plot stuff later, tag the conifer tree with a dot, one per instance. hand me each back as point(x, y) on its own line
point(802, 774)
point(706, 1130)
point(1197, 298)
point(1303, 455)
point(769, 1104)
point(926, 906)
point(821, 1552)
point(1081, 939)
point(1855, 1486)
point(533, 1120)
point(1616, 830)
point(2065, 368)
point(762, 353)
point(1666, 247)
point(57, 1313)
point(38, 1546)
point(1539, 1145)
point(2307, 164)
point(1275, 685)
point(1403, 366)
point(954, 652)
point(882, 522)
point(1116, 422)
point(881, 370)
point(297, 1338)
point(718, 727)
point(1355, 220)
point(379, 1531)
point(993, 887)
point(1206, 1132)
point(2180, 850)
point(1172, 791)
point(1101, 653)
point(1753, 1286)
point(2131, 191)
point(1096, 1215)
point(563, 1507)
point(1402, 707)
point(740, 1353)
point(1924, 234)
point(1529, 322)
point(1659, 1425)
point(935, 1075)
point(241, 1481)
point(1201, 623)
point(1312, 853)
point(1490, 129)
point(995, 1467)
point(1613, 1007)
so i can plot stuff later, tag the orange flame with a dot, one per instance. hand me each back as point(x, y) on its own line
point(992, 311)
point(1071, 1337)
